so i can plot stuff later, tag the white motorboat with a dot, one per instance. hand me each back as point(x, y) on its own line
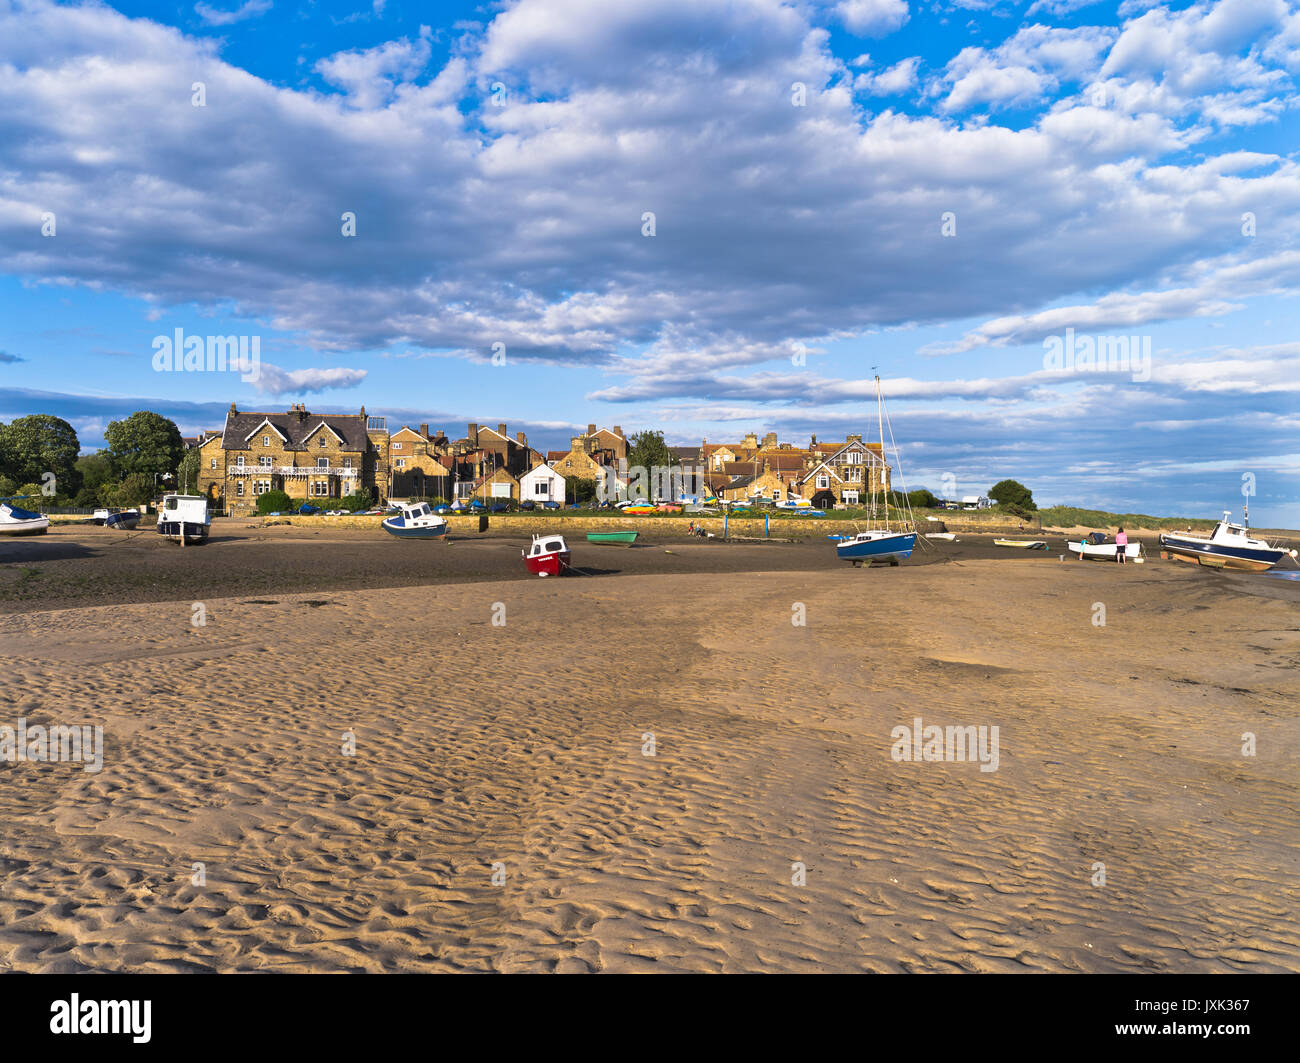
point(15, 520)
point(1229, 546)
point(417, 521)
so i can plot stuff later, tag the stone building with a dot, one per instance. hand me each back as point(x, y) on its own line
point(311, 457)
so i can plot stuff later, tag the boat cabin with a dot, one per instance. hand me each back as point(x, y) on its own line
point(185, 509)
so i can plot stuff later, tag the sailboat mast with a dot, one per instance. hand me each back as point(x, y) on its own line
point(880, 419)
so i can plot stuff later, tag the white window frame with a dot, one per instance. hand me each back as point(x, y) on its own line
point(266, 441)
point(323, 464)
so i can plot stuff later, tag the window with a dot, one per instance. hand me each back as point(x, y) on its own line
point(266, 441)
point(320, 488)
point(850, 497)
point(347, 463)
point(260, 487)
point(542, 489)
point(854, 457)
point(214, 464)
point(322, 440)
point(397, 446)
point(400, 463)
point(239, 488)
point(264, 461)
point(823, 481)
point(322, 463)
point(239, 462)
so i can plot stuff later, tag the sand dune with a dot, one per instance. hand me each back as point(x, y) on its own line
point(522, 746)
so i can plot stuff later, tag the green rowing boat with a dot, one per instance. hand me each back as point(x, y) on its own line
point(627, 538)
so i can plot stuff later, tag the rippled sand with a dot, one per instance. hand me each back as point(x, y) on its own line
point(523, 746)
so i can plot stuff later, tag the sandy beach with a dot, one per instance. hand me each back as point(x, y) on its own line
point(652, 768)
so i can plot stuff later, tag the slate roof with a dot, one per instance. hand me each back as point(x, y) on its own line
point(296, 427)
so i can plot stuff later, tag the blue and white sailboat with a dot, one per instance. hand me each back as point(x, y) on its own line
point(879, 543)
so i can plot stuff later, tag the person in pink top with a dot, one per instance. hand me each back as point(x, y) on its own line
point(1121, 545)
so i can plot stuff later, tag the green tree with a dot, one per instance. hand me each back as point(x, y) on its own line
point(922, 499)
point(134, 490)
point(580, 491)
point(32, 447)
point(187, 472)
point(1013, 494)
point(274, 502)
point(95, 471)
point(145, 442)
point(352, 503)
point(648, 449)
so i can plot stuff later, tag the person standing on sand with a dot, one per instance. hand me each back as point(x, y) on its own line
point(1121, 545)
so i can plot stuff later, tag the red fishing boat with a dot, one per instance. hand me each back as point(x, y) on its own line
point(548, 556)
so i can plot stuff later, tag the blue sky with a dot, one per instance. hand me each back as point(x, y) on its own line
point(1112, 169)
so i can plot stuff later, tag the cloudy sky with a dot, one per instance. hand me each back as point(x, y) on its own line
point(704, 216)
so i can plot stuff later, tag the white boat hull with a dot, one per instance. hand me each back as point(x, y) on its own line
point(1104, 551)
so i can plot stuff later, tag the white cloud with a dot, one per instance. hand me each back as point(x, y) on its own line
point(522, 224)
point(1024, 69)
point(893, 81)
point(371, 77)
point(272, 380)
point(872, 18)
point(215, 16)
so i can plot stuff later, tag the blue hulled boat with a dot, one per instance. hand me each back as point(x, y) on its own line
point(1228, 546)
point(880, 545)
point(416, 522)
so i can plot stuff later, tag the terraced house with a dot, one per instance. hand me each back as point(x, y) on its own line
point(827, 473)
point(312, 457)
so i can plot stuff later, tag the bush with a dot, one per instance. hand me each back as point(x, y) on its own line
point(274, 502)
point(354, 502)
point(135, 490)
point(1012, 493)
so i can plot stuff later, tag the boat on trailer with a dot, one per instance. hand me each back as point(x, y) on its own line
point(184, 519)
point(1229, 546)
point(417, 521)
point(547, 556)
point(14, 520)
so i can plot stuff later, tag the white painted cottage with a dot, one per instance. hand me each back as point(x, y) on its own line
point(541, 484)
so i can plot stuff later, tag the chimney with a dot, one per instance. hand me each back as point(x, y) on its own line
point(521, 439)
point(617, 430)
point(472, 435)
point(812, 443)
point(232, 408)
point(501, 429)
point(591, 429)
point(424, 430)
